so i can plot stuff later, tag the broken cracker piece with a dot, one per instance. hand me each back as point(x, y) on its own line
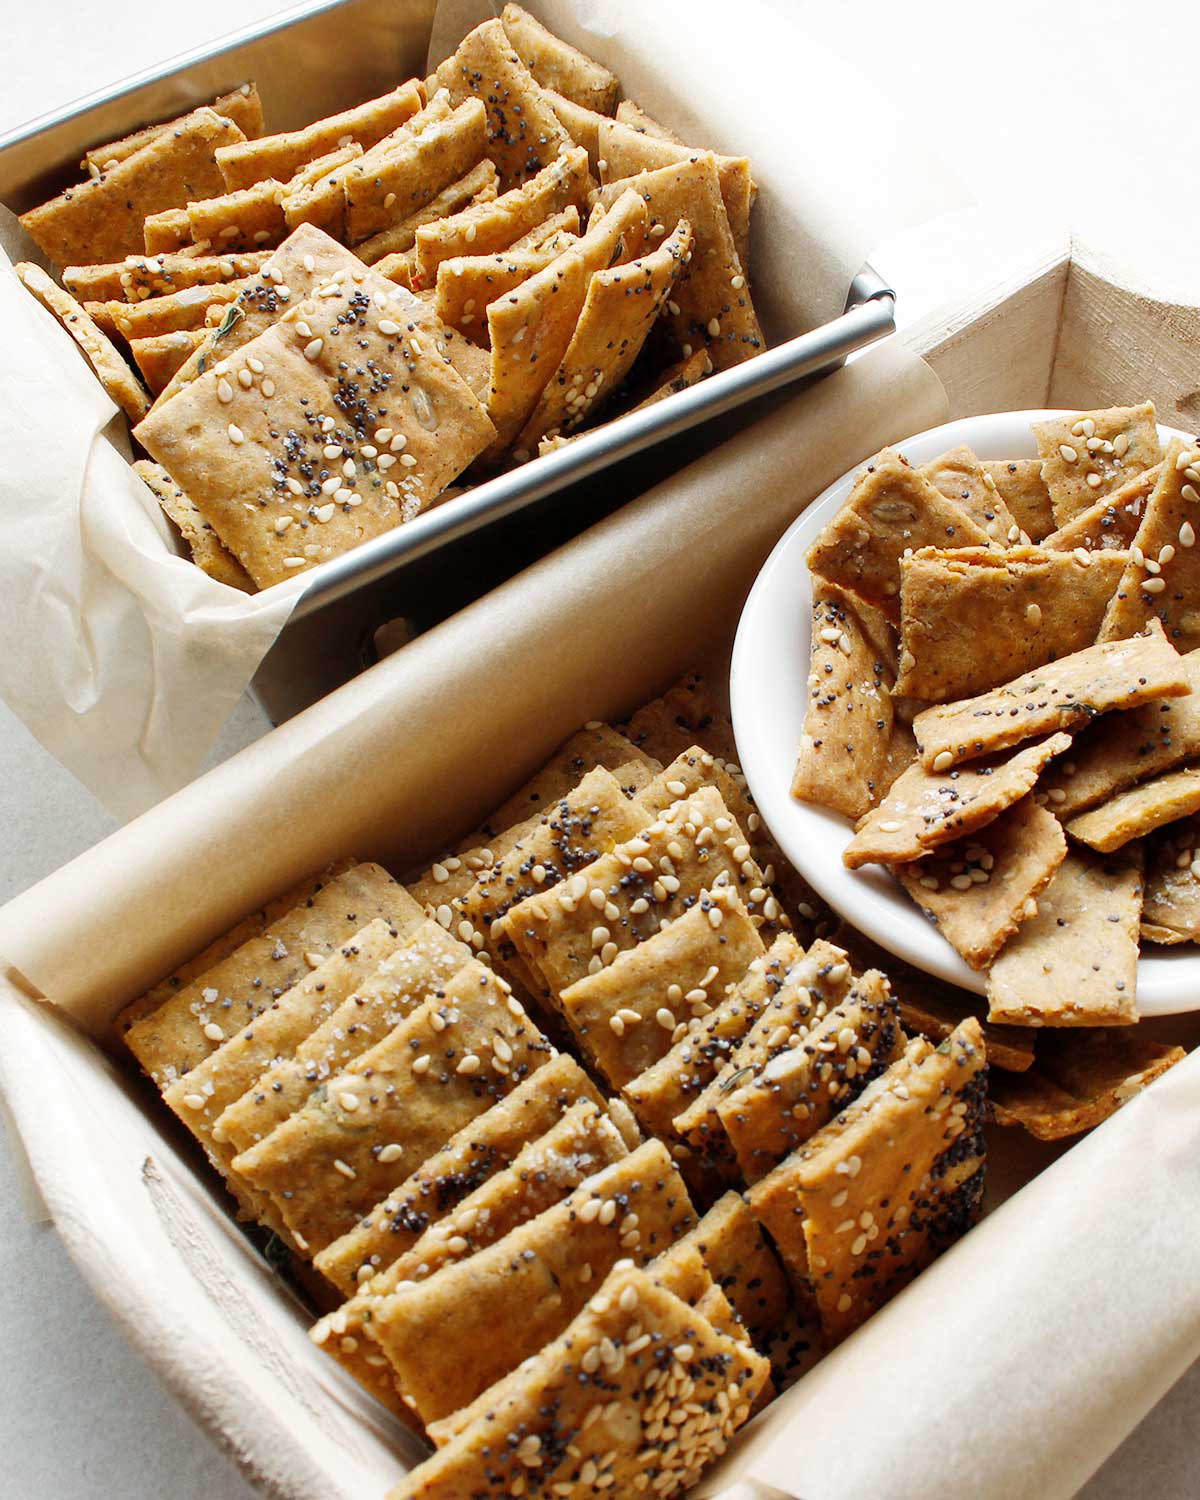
point(960, 476)
point(1112, 522)
point(1138, 811)
point(1020, 485)
point(557, 65)
point(1171, 903)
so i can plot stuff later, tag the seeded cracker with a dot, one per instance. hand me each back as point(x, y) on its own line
point(488, 227)
point(1138, 811)
point(680, 377)
point(620, 309)
point(801, 1089)
point(158, 358)
point(711, 306)
point(743, 1266)
point(680, 859)
point(246, 219)
point(1162, 580)
point(1171, 905)
point(1021, 486)
point(665, 1090)
point(1113, 520)
point(590, 1411)
point(626, 1017)
point(1075, 962)
point(466, 284)
point(976, 892)
point(1067, 694)
point(411, 976)
point(315, 194)
point(101, 219)
point(171, 313)
point(509, 1300)
point(183, 1030)
point(324, 1166)
point(892, 509)
point(170, 232)
point(523, 133)
point(208, 552)
point(1082, 1077)
point(971, 619)
point(846, 757)
point(582, 125)
point(626, 152)
point(878, 1194)
point(1094, 453)
point(531, 328)
point(242, 105)
point(140, 276)
point(480, 185)
point(405, 171)
point(484, 1146)
point(687, 714)
point(557, 65)
point(282, 156)
point(925, 809)
point(118, 380)
point(959, 476)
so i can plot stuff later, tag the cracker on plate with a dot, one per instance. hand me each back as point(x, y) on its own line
point(1066, 694)
point(978, 891)
point(208, 551)
point(892, 509)
point(1074, 962)
point(847, 750)
point(960, 476)
point(1138, 811)
point(1171, 902)
point(925, 809)
point(557, 65)
point(1112, 521)
point(281, 156)
point(803, 1087)
point(1020, 485)
point(118, 380)
point(1081, 1078)
point(102, 219)
point(711, 306)
point(888, 1185)
point(510, 1299)
point(241, 105)
point(478, 186)
point(1092, 454)
point(627, 1016)
point(1162, 579)
point(970, 618)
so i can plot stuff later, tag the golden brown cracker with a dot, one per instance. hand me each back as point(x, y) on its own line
point(159, 357)
point(468, 283)
point(140, 276)
point(959, 476)
point(184, 310)
point(170, 232)
point(316, 194)
point(1171, 902)
point(1020, 485)
point(208, 552)
point(687, 714)
point(1088, 455)
point(557, 65)
point(742, 1264)
point(479, 186)
point(241, 105)
point(635, 116)
point(1140, 810)
point(1112, 521)
point(245, 219)
point(679, 377)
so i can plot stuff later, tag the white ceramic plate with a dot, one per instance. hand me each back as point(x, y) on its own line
point(768, 684)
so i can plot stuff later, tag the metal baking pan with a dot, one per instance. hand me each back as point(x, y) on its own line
point(321, 57)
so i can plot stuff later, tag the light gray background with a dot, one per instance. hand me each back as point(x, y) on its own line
point(1050, 111)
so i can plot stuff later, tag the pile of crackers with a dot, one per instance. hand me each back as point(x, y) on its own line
point(1001, 699)
point(328, 327)
point(591, 1136)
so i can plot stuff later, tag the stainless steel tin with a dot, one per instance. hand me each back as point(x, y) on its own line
point(321, 57)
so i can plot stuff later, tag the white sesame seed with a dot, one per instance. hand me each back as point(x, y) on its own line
point(194, 1101)
point(1033, 613)
point(1154, 585)
point(346, 1171)
point(1069, 454)
point(224, 392)
point(214, 1032)
point(312, 349)
point(390, 1154)
point(236, 435)
point(1095, 481)
point(421, 1064)
point(470, 1064)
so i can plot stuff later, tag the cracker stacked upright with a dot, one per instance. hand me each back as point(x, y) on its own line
point(333, 324)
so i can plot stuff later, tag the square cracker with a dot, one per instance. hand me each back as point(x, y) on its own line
point(959, 476)
point(469, 1158)
point(208, 551)
point(557, 65)
point(621, 307)
point(1074, 963)
point(555, 933)
point(118, 380)
point(281, 156)
point(406, 171)
point(711, 307)
point(1020, 485)
point(973, 618)
point(846, 760)
point(245, 219)
point(800, 1089)
point(1171, 902)
point(1066, 694)
point(925, 809)
point(1113, 520)
point(976, 892)
point(892, 509)
point(665, 1090)
point(484, 228)
point(159, 357)
point(1162, 579)
point(512, 1298)
point(743, 1265)
point(1081, 1078)
point(241, 105)
point(593, 1418)
point(523, 133)
point(102, 219)
point(140, 276)
point(627, 1016)
point(466, 284)
point(626, 152)
point(530, 330)
point(324, 1166)
point(1138, 811)
point(882, 1190)
point(478, 186)
point(195, 1020)
point(1092, 454)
